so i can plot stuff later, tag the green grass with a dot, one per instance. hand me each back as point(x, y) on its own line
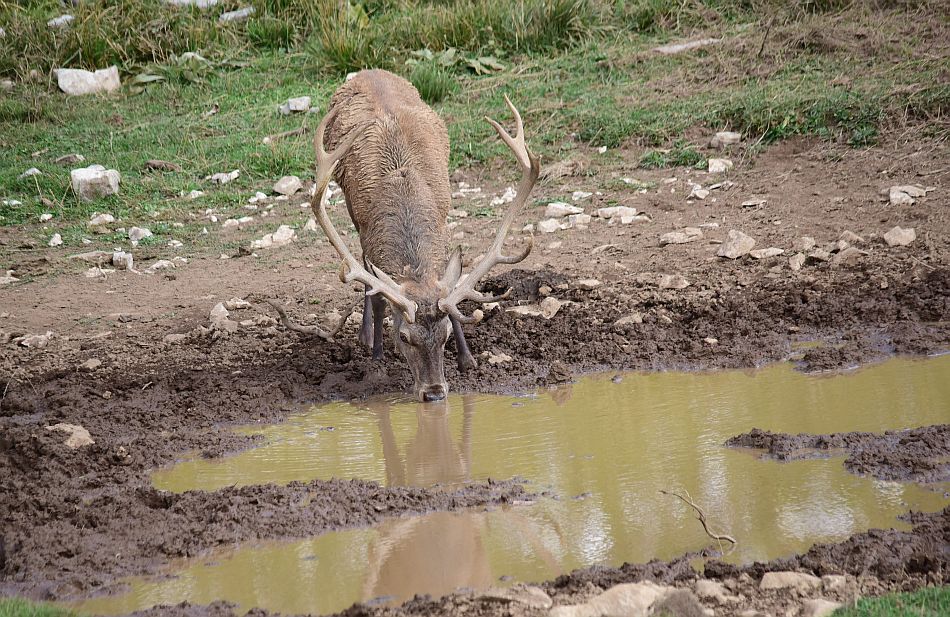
point(929, 602)
point(16, 607)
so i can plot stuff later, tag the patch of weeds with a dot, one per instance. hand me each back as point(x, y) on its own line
point(343, 40)
point(682, 154)
point(269, 32)
point(928, 602)
point(483, 212)
point(16, 607)
point(433, 82)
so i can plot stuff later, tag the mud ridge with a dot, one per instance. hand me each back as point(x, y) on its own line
point(919, 454)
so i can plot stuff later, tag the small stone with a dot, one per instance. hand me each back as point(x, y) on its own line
point(576, 221)
point(905, 195)
point(505, 198)
point(175, 244)
point(91, 364)
point(174, 338)
point(195, 194)
point(899, 236)
point(678, 48)
point(528, 229)
point(56, 240)
point(705, 588)
point(550, 306)
point(754, 203)
point(46, 216)
point(69, 159)
point(499, 358)
point(612, 211)
point(97, 272)
point(137, 234)
point(796, 261)
point(32, 171)
point(548, 226)
point(8, 278)
point(688, 234)
point(698, 192)
point(819, 607)
point(34, 341)
point(78, 435)
point(238, 15)
point(94, 182)
point(672, 281)
point(805, 243)
point(78, 82)
point(718, 166)
point(61, 22)
point(311, 225)
point(709, 340)
point(580, 195)
point(847, 256)
point(283, 236)
point(736, 245)
point(789, 580)
point(236, 304)
point(588, 284)
point(850, 237)
point(766, 253)
point(224, 178)
point(93, 257)
point(288, 185)
point(633, 318)
point(627, 600)
point(820, 255)
point(557, 209)
point(456, 213)
point(161, 264)
point(724, 138)
point(123, 260)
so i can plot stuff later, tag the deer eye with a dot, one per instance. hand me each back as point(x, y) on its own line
point(404, 336)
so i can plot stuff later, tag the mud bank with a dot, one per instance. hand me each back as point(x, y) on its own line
point(919, 455)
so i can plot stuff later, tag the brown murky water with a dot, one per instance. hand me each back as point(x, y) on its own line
point(606, 448)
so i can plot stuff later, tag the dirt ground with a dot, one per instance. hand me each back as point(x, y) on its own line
point(73, 521)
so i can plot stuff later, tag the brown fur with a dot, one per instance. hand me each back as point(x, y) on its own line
point(395, 177)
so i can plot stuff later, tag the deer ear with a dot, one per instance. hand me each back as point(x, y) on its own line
point(453, 270)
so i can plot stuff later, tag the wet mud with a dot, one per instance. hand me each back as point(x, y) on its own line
point(919, 454)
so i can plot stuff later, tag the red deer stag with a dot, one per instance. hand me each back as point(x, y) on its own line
point(390, 154)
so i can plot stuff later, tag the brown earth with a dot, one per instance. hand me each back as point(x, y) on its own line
point(71, 521)
point(920, 454)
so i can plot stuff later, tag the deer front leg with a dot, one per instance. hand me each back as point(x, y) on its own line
point(466, 361)
point(366, 328)
point(379, 312)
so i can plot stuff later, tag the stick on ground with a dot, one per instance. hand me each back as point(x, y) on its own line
point(314, 330)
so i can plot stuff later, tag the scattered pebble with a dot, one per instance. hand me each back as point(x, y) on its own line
point(8, 278)
point(580, 195)
point(736, 245)
point(94, 182)
point(55, 240)
point(850, 237)
point(796, 261)
point(69, 159)
point(754, 203)
point(557, 209)
point(906, 195)
point(288, 185)
point(224, 178)
point(300, 104)
point(766, 253)
point(238, 15)
point(137, 234)
point(91, 364)
point(688, 234)
point(718, 166)
point(123, 260)
point(46, 216)
point(195, 194)
point(672, 281)
point(78, 436)
point(899, 236)
point(548, 226)
point(283, 236)
point(633, 318)
point(32, 171)
point(78, 82)
point(505, 198)
point(588, 284)
point(724, 138)
point(61, 22)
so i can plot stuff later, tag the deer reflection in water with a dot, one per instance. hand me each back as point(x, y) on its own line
point(444, 551)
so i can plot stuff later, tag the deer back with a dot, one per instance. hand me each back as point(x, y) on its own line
point(395, 177)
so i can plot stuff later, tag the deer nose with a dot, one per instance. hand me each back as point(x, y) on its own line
point(433, 393)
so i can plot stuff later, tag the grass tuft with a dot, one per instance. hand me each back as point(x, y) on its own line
point(928, 602)
point(16, 607)
point(433, 82)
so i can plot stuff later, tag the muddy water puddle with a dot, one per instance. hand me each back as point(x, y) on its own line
point(606, 447)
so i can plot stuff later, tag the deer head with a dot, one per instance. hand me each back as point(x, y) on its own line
point(424, 312)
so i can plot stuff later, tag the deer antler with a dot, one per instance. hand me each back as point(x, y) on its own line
point(376, 281)
point(465, 288)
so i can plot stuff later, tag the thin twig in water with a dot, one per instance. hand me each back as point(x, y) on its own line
point(701, 517)
point(315, 330)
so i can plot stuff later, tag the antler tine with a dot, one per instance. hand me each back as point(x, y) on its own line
point(465, 289)
point(352, 270)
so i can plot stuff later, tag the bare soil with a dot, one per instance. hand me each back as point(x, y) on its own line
point(73, 521)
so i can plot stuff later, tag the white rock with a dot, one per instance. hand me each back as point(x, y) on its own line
point(527, 229)
point(588, 284)
point(626, 220)
point(612, 211)
point(672, 281)
point(12, 202)
point(602, 149)
point(161, 264)
point(819, 607)
point(850, 254)
point(298, 104)
point(678, 48)
point(796, 261)
point(579, 221)
point(78, 435)
point(201, 4)
point(626, 600)
point(94, 182)
point(175, 244)
point(311, 225)
point(34, 341)
point(789, 580)
point(850, 237)
point(456, 213)
point(688, 234)
point(698, 192)
point(137, 234)
point(97, 272)
point(550, 307)
point(77, 82)
point(634, 318)
point(725, 138)
point(579, 195)
point(224, 178)
point(195, 194)
point(46, 216)
point(718, 166)
point(906, 195)
point(505, 198)
point(283, 236)
point(238, 15)
point(736, 245)
point(754, 203)
point(56, 240)
point(548, 226)
point(805, 243)
point(499, 358)
point(69, 159)
point(899, 236)
point(819, 255)
point(61, 22)
point(711, 590)
point(123, 260)
point(765, 253)
point(237, 304)
point(557, 209)
point(91, 364)
point(32, 171)
point(288, 185)
point(8, 278)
